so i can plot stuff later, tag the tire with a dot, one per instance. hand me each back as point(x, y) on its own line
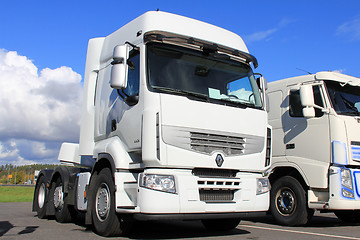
point(63, 212)
point(350, 216)
point(226, 224)
point(104, 217)
point(288, 202)
point(40, 198)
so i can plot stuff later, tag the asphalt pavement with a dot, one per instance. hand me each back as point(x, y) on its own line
point(17, 221)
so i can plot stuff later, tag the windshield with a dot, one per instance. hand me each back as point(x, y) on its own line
point(209, 76)
point(344, 98)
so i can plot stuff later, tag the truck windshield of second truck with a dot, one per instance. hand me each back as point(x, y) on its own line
point(345, 99)
point(207, 75)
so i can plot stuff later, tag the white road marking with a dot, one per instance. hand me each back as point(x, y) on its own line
point(301, 232)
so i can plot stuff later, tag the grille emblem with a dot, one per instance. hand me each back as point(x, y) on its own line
point(219, 160)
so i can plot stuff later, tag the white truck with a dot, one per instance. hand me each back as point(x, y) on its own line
point(173, 126)
point(316, 147)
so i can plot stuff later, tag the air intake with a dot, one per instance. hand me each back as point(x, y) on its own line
point(208, 143)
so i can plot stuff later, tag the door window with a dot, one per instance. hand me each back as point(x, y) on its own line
point(295, 107)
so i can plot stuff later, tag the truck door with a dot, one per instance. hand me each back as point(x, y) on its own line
point(118, 112)
point(307, 140)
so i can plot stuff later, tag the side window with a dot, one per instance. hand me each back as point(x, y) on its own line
point(133, 75)
point(295, 107)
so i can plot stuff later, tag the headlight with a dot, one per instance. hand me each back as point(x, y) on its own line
point(165, 183)
point(346, 180)
point(263, 185)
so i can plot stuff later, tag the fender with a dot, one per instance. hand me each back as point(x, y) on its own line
point(68, 177)
point(285, 164)
point(117, 151)
point(46, 173)
point(99, 162)
point(63, 173)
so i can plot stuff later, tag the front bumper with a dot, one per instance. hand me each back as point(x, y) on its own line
point(189, 201)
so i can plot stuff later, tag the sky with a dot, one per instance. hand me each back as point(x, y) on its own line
point(43, 50)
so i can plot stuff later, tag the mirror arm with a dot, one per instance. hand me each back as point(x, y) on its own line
point(324, 110)
point(117, 61)
point(136, 48)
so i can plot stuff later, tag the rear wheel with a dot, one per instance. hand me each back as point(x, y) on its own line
point(221, 224)
point(63, 212)
point(106, 221)
point(288, 204)
point(40, 198)
point(352, 216)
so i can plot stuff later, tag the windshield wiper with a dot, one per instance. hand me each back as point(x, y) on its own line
point(245, 104)
point(182, 92)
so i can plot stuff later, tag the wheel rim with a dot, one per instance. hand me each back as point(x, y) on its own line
point(41, 195)
point(285, 201)
point(58, 198)
point(103, 202)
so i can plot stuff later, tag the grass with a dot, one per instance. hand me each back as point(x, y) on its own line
point(16, 194)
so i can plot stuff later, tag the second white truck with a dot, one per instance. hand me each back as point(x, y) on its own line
point(316, 147)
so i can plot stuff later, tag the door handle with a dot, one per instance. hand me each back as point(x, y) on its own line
point(290, 146)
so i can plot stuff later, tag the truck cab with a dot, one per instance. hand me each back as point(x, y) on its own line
point(316, 132)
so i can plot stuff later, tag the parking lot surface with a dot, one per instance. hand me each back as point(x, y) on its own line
point(17, 221)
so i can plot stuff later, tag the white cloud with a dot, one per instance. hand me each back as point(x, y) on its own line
point(8, 151)
point(260, 36)
point(350, 29)
point(339, 70)
point(266, 35)
point(38, 111)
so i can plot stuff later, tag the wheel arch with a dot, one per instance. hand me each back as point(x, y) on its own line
point(104, 160)
point(64, 173)
point(279, 172)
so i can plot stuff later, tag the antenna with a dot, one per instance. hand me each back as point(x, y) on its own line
point(304, 71)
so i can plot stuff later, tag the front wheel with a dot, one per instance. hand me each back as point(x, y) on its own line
point(105, 220)
point(288, 204)
point(221, 224)
point(351, 216)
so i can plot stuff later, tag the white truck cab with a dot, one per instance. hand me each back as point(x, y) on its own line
point(316, 147)
point(173, 126)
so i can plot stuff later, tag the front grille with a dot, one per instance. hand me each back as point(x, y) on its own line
point(217, 185)
point(357, 182)
point(355, 150)
point(210, 172)
point(216, 195)
point(208, 143)
point(212, 142)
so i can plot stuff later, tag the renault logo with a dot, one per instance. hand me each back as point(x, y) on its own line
point(219, 160)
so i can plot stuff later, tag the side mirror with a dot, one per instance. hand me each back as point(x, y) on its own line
point(263, 86)
point(307, 101)
point(261, 82)
point(119, 70)
point(307, 96)
point(264, 83)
